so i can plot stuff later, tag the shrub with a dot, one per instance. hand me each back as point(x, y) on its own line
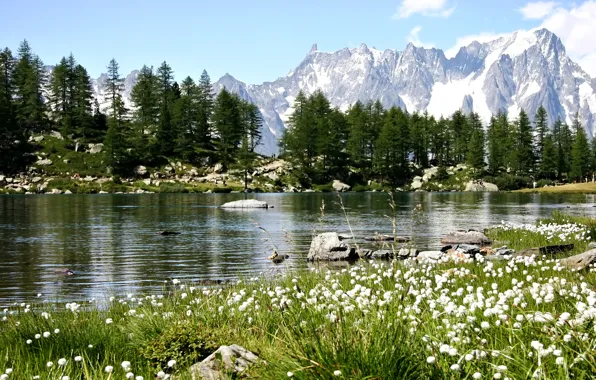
point(325, 188)
point(184, 342)
point(442, 174)
point(509, 182)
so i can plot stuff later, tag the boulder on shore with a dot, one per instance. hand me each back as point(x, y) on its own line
point(246, 203)
point(466, 237)
point(340, 186)
point(140, 170)
point(581, 261)
point(484, 186)
point(225, 361)
point(329, 247)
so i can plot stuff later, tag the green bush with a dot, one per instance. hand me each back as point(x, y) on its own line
point(442, 174)
point(184, 342)
point(359, 188)
point(325, 188)
point(544, 182)
point(172, 188)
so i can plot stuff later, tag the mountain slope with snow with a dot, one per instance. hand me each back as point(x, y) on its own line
point(523, 70)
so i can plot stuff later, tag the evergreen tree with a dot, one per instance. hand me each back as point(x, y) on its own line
point(299, 140)
point(246, 159)
point(186, 116)
point(8, 126)
point(145, 98)
point(82, 96)
point(391, 156)
point(541, 128)
point(99, 122)
point(29, 79)
point(475, 154)
point(522, 154)
point(116, 136)
point(166, 132)
point(253, 124)
point(563, 145)
point(418, 138)
point(580, 153)
point(548, 164)
point(357, 120)
point(460, 133)
point(205, 111)
point(228, 123)
point(498, 143)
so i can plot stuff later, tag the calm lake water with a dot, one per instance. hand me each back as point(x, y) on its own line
point(110, 241)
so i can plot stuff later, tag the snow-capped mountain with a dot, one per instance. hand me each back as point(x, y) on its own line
point(523, 70)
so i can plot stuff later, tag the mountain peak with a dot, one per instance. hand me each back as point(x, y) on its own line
point(314, 48)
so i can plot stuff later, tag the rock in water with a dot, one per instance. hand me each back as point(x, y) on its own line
point(246, 203)
point(581, 261)
point(226, 360)
point(329, 247)
point(466, 237)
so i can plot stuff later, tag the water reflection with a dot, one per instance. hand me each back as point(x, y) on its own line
point(110, 241)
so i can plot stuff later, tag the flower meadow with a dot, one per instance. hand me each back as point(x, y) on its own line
point(525, 318)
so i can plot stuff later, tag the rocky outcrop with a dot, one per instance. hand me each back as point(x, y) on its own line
point(581, 261)
point(246, 203)
point(340, 186)
point(466, 237)
point(329, 247)
point(43, 162)
point(481, 186)
point(95, 148)
point(226, 362)
point(140, 170)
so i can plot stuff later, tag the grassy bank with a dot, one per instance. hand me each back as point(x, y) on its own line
point(578, 188)
point(526, 318)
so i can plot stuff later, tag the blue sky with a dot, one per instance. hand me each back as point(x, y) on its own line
point(263, 39)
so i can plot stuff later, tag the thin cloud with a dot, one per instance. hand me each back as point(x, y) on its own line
point(431, 8)
point(537, 10)
point(414, 38)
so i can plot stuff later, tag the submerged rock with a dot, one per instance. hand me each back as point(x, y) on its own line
point(329, 247)
point(466, 237)
point(581, 261)
point(226, 361)
point(246, 203)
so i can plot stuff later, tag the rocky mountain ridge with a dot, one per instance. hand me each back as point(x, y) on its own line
point(523, 70)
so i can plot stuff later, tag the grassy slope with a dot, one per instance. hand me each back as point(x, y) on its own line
point(587, 188)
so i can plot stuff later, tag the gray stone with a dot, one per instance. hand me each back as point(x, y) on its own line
point(398, 239)
point(466, 237)
point(95, 148)
point(103, 192)
point(44, 162)
point(225, 362)
point(581, 261)
point(246, 203)
point(592, 244)
point(416, 183)
point(37, 138)
point(467, 249)
point(382, 254)
point(218, 168)
point(430, 255)
point(140, 170)
point(328, 247)
point(147, 181)
point(55, 191)
point(429, 174)
point(168, 169)
point(2, 180)
point(57, 135)
point(36, 179)
point(66, 161)
point(340, 186)
point(364, 253)
point(485, 186)
point(404, 253)
point(68, 192)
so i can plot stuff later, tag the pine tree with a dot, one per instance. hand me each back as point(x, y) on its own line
point(299, 140)
point(563, 145)
point(228, 123)
point(205, 111)
point(8, 125)
point(548, 164)
point(357, 120)
point(391, 156)
point(60, 99)
point(475, 154)
point(541, 128)
point(460, 133)
point(498, 143)
point(145, 98)
point(580, 153)
point(166, 133)
point(116, 136)
point(82, 97)
point(418, 138)
point(522, 153)
point(185, 117)
point(29, 79)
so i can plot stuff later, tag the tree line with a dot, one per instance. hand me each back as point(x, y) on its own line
point(390, 145)
point(166, 120)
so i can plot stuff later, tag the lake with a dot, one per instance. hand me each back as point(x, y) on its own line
point(110, 241)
